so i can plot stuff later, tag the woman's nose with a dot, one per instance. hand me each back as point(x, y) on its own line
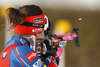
point(40, 35)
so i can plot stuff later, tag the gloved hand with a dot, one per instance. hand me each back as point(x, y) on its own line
point(53, 51)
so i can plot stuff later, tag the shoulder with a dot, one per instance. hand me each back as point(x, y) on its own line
point(26, 55)
point(22, 49)
point(11, 42)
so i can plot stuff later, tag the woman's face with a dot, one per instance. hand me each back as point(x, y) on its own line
point(39, 43)
point(40, 37)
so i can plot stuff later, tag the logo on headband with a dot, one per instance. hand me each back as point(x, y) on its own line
point(37, 20)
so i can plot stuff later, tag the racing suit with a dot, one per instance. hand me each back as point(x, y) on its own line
point(17, 53)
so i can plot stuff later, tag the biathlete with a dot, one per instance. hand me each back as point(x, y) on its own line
point(24, 49)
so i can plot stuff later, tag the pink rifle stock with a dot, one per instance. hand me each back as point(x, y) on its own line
point(65, 37)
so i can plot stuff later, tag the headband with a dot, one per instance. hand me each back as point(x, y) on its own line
point(32, 24)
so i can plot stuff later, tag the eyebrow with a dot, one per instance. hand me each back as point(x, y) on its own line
point(40, 32)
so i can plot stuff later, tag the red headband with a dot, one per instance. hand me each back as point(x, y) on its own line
point(38, 19)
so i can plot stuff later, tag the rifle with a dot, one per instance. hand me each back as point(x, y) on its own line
point(65, 37)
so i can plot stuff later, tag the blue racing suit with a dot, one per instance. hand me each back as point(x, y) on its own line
point(17, 53)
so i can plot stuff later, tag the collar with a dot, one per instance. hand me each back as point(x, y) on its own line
point(16, 39)
point(20, 40)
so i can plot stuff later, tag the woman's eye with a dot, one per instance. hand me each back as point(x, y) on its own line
point(40, 32)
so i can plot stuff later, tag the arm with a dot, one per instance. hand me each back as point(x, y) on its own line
point(23, 56)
